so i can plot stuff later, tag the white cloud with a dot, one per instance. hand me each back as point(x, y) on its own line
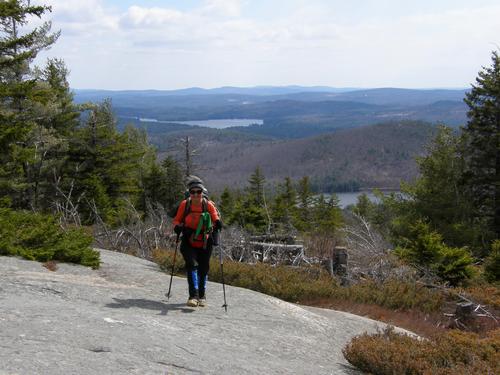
point(224, 8)
point(218, 41)
point(149, 17)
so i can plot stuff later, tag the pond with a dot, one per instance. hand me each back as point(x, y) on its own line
point(214, 124)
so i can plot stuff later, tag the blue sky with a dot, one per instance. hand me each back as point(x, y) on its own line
point(169, 44)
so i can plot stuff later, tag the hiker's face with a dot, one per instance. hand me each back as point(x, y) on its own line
point(196, 194)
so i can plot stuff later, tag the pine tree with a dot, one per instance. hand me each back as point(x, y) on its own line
point(19, 99)
point(303, 216)
point(58, 118)
point(483, 148)
point(439, 196)
point(104, 164)
point(284, 205)
point(327, 215)
point(154, 186)
point(174, 185)
point(257, 182)
point(226, 205)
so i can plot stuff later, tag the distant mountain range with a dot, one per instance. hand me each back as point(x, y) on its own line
point(256, 90)
point(344, 139)
point(287, 112)
point(192, 97)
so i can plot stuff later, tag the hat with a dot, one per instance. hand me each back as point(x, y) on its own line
point(193, 180)
point(196, 185)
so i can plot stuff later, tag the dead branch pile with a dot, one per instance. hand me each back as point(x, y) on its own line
point(137, 234)
point(370, 255)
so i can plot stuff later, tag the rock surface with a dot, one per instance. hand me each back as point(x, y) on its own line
point(116, 320)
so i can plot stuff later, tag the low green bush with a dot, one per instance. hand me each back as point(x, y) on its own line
point(39, 237)
point(424, 247)
point(395, 295)
point(449, 353)
point(492, 263)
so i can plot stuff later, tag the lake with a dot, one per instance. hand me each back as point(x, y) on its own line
point(214, 124)
point(345, 199)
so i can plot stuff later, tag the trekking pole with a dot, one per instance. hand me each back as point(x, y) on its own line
point(222, 273)
point(173, 266)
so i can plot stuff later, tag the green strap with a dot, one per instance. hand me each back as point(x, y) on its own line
point(205, 221)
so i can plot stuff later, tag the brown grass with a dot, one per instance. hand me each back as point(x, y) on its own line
point(423, 324)
point(313, 286)
point(486, 294)
point(50, 265)
point(451, 352)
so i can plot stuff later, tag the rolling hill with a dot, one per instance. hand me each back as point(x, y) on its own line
point(288, 112)
point(365, 157)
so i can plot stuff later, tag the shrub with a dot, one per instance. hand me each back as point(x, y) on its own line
point(485, 294)
point(39, 237)
point(395, 294)
point(492, 263)
point(309, 285)
point(425, 247)
point(452, 352)
point(288, 283)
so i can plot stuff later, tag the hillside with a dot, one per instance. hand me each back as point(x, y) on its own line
point(287, 112)
point(366, 157)
point(116, 320)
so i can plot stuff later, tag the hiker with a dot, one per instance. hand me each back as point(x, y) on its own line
point(196, 219)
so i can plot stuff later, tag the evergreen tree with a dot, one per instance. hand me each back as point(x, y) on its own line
point(104, 164)
point(57, 120)
point(439, 196)
point(154, 183)
point(483, 147)
point(327, 215)
point(284, 206)
point(174, 184)
point(363, 206)
point(226, 205)
point(19, 99)
point(303, 216)
point(257, 182)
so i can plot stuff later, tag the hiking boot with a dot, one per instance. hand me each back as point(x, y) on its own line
point(202, 302)
point(192, 302)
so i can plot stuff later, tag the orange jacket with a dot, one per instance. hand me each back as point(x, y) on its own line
point(193, 217)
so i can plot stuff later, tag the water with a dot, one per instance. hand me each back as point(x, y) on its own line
point(214, 124)
point(346, 199)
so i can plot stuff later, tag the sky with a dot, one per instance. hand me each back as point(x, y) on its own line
point(172, 44)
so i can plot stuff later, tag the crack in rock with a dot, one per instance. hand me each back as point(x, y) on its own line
point(53, 290)
point(181, 367)
point(180, 347)
point(100, 350)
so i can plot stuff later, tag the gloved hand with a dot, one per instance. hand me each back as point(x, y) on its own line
point(217, 225)
point(178, 229)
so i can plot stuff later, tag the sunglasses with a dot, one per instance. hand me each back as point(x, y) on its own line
point(195, 192)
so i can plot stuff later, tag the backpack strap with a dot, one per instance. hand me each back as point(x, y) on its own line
point(187, 207)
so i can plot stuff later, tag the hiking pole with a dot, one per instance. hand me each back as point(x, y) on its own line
point(173, 266)
point(222, 273)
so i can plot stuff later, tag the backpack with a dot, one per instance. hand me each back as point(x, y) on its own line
point(187, 208)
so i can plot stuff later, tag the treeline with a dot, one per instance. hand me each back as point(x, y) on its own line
point(61, 158)
point(448, 221)
point(67, 159)
point(291, 208)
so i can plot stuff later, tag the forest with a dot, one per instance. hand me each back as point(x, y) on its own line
point(71, 178)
